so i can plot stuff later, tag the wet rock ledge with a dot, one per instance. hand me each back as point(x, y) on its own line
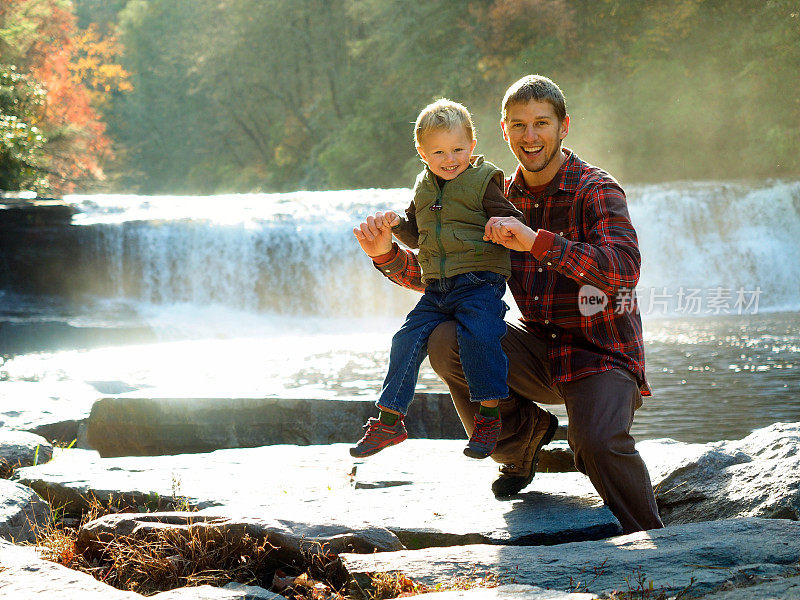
point(36, 212)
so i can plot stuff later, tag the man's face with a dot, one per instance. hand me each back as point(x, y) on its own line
point(534, 134)
point(446, 151)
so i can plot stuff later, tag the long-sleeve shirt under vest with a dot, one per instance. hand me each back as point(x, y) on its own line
point(585, 246)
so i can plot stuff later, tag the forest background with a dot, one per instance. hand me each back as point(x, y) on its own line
point(213, 96)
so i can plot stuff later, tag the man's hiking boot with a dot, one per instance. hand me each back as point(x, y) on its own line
point(514, 478)
point(379, 436)
point(484, 436)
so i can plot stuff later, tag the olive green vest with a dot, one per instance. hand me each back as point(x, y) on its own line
point(451, 222)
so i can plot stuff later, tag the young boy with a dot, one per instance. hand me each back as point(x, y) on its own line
point(465, 277)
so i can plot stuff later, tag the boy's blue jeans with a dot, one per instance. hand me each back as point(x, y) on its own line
point(475, 301)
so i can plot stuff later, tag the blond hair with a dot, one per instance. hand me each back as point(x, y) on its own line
point(444, 115)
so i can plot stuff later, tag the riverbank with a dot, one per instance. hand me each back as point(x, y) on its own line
point(429, 513)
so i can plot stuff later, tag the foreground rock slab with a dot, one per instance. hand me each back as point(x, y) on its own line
point(424, 491)
point(24, 575)
point(783, 589)
point(21, 511)
point(700, 557)
point(151, 426)
point(506, 592)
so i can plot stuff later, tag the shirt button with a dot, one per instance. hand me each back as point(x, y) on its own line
point(546, 321)
point(549, 264)
point(388, 270)
point(535, 206)
point(580, 274)
point(540, 269)
point(553, 335)
point(536, 297)
point(560, 233)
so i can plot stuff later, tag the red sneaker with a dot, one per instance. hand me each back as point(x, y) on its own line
point(379, 436)
point(484, 436)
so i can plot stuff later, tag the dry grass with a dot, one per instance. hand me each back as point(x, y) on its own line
point(170, 558)
point(165, 558)
point(7, 469)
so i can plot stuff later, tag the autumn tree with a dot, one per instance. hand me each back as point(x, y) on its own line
point(41, 38)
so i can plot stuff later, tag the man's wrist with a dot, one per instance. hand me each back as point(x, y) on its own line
point(542, 242)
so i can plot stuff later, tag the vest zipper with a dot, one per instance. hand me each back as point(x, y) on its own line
point(437, 209)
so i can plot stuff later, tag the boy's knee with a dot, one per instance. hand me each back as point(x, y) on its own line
point(443, 348)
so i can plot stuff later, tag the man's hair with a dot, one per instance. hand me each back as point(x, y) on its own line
point(538, 88)
point(444, 115)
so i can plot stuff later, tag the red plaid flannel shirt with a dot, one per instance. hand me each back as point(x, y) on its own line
point(585, 237)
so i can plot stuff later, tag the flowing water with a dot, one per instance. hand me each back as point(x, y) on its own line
point(269, 295)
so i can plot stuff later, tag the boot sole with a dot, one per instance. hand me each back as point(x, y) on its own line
point(546, 439)
point(393, 442)
point(475, 454)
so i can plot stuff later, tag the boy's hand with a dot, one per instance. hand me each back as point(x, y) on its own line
point(509, 232)
point(390, 219)
point(374, 236)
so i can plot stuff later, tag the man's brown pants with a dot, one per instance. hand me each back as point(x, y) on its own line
point(600, 409)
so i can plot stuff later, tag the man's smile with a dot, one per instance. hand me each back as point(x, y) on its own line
point(531, 150)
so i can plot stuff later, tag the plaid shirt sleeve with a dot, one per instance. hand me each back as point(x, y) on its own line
point(609, 259)
point(401, 267)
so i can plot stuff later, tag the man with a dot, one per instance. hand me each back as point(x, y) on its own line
point(574, 268)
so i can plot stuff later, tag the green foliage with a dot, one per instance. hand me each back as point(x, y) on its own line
point(278, 94)
point(21, 142)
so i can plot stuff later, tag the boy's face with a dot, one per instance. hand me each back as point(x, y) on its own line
point(446, 151)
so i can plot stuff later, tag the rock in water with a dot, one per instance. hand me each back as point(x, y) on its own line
point(758, 476)
point(153, 426)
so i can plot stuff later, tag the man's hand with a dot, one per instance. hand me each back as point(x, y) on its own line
point(509, 232)
point(375, 233)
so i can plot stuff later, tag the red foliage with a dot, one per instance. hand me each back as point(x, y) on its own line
point(77, 135)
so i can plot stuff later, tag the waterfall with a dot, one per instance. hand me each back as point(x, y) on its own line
point(295, 254)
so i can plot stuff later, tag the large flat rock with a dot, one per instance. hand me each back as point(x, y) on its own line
point(424, 491)
point(698, 556)
point(505, 592)
point(787, 588)
point(23, 575)
point(126, 426)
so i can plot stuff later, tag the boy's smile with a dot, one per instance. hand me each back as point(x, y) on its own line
point(446, 151)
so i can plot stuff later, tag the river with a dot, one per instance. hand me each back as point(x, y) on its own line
point(268, 295)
